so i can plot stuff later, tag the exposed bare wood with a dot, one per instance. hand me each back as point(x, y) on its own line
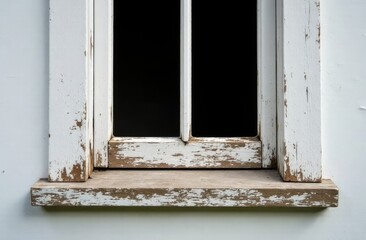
point(298, 90)
point(174, 153)
point(103, 81)
point(230, 188)
point(267, 81)
point(71, 90)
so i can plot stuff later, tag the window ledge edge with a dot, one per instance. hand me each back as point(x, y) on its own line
point(185, 188)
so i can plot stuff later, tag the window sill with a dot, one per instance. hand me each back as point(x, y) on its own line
point(186, 188)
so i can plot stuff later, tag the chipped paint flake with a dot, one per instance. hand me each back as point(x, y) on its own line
point(174, 153)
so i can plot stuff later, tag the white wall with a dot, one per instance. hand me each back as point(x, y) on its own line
point(24, 135)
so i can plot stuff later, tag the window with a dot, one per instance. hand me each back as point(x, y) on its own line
point(217, 124)
point(79, 133)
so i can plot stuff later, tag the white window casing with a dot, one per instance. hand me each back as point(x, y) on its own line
point(71, 90)
point(71, 103)
point(298, 90)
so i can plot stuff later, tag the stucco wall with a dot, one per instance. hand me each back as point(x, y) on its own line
point(24, 136)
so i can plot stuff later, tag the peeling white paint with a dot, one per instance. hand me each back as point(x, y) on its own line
point(298, 90)
point(175, 197)
point(71, 90)
point(228, 188)
point(173, 152)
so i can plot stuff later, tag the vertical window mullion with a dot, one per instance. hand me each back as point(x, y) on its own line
point(186, 69)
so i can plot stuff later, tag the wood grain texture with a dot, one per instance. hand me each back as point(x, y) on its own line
point(182, 188)
point(267, 113)
point(174, 153)
point(103, 81)
point(298, 90)
point(71, 90)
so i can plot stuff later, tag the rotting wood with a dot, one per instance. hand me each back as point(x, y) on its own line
point(174, 153)
point(182, 188)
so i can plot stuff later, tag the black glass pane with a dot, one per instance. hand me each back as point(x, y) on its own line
point(146, 68)
point(224, 81)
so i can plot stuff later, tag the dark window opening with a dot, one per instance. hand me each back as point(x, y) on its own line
point(224, 66)
point(146, 68)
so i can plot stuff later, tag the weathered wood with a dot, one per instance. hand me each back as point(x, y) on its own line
point(267, 81)
point(298, 90)
point(103, 80)
point(71, 90)
point(186, 70)
point(174, 153)
point(230, 188)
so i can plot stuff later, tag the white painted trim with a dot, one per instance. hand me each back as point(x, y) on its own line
point(266, 52)
point(245, 157)
point(186, 70)
point(103, 81)
point(298, 90)
point(174, 153)
point(71, 90)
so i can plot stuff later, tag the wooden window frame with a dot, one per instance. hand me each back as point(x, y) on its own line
point(186, 151)
point(74, 143)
